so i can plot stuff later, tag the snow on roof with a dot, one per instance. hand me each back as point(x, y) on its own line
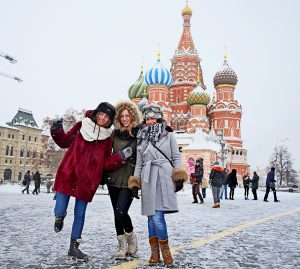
point(4, 125)
point(200, 142)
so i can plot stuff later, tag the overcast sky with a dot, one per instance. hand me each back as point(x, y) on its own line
point(75, 54)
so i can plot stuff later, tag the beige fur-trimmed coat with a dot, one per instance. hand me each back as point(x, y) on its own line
point(155, 174)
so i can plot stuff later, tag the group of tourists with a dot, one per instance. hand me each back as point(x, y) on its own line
point(130, 151)
point(36, 177)
point(138, 153)
point(219, 179)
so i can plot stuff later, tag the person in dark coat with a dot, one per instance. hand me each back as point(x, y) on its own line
point(159, 174)
point(79, 174)
point(224, 185)
point(216, 179)
point(198, 175)
point(27, 179)
point(246, 184)
point(232, 183)
point(127, 122)
point(270, 184)
point(37, 182)
point(254, 183)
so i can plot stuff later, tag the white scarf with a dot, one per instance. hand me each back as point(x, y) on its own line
point(91, 131)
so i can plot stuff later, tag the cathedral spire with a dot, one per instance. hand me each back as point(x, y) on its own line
point(186, 43)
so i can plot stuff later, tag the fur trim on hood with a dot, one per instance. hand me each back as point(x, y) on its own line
point(132, 109)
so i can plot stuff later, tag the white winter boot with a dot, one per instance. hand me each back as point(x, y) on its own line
point(132, 243)
point(123, 249)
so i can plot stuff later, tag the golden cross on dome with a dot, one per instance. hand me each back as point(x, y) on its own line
point(225, 56)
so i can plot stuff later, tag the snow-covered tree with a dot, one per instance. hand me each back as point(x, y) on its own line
point(282, 161)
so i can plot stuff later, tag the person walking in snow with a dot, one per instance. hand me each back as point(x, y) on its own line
point(79, 174)
point(232, 183)
point(246, 184)
point(198, 175)
point(270, 184)
point(224, 185)
point(159, 174)
point(254, 185)
point(127, 121)
point(216, 179)
point(27, 179)
point(37, 182)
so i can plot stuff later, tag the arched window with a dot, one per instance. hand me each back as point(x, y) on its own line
point(12, 151)
point(22, 153)
point(42, 155)
point(34, 154)
point(241, 153)
point(232, 152)
point(28, 153)
point(7, 151)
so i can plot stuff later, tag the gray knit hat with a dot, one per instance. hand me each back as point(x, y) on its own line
point(152, 111)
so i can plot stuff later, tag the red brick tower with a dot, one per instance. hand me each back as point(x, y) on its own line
point(185, 70)
point(225, 115)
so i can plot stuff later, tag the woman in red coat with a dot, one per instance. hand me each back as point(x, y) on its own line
point(89, 146)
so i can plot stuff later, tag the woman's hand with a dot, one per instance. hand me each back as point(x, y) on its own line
point(57, 124)
point(135, 192)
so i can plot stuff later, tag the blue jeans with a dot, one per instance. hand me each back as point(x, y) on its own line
point(60, 210)
point(157, 226)
point(224, 189)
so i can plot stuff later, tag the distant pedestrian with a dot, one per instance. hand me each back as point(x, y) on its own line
point(216, 179)
point(232, 183)
point(246, 184)
point(191, 170)
point(37, 182)
point(224, 185)
point(27, 179)
point(204, 187)
point(270, 184)
point(254, 185)
point(197, 175)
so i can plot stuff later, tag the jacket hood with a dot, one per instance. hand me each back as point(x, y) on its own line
point(217, 168)
point(133, 111)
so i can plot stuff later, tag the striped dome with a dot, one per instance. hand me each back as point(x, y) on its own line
point(198, 97)
point(158, 75)
point(138, 88)
point(225, 76)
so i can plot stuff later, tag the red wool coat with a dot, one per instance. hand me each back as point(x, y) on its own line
point(80, 171)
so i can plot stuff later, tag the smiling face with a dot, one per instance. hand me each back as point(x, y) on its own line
point(151, 121)
point(102, 119)
point(125, 118)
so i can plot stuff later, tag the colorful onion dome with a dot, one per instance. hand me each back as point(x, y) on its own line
point(137, 89)
point(187, 10)
point(198, 96)
point(225, 76)
point(143, 102)
point(158, 75)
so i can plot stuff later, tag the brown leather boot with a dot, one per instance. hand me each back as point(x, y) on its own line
point(165, 251)
point(155, 258)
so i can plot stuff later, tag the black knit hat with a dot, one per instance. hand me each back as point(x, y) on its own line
point(106, 108)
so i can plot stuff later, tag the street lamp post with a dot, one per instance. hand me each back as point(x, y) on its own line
point(12, 60)
point(222, 144)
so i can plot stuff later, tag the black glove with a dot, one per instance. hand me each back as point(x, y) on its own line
point(178, 185)
point(57, 124)
point(135, 192)
point(126, 153)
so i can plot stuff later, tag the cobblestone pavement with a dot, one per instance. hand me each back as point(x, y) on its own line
point(241, 234)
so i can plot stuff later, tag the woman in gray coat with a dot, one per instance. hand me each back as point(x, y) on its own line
point(159, 174)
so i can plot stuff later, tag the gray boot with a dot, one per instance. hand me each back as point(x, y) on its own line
point(123, 249)
point(132, 243)
point(74, 252)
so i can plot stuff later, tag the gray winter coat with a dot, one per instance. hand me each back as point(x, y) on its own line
point(155, 171)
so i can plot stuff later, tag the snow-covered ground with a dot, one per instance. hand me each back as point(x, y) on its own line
point(241, 234)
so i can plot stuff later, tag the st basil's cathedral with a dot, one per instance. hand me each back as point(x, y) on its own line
point(205, 127)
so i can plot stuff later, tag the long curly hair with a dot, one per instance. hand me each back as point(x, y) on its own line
point(134, 113)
